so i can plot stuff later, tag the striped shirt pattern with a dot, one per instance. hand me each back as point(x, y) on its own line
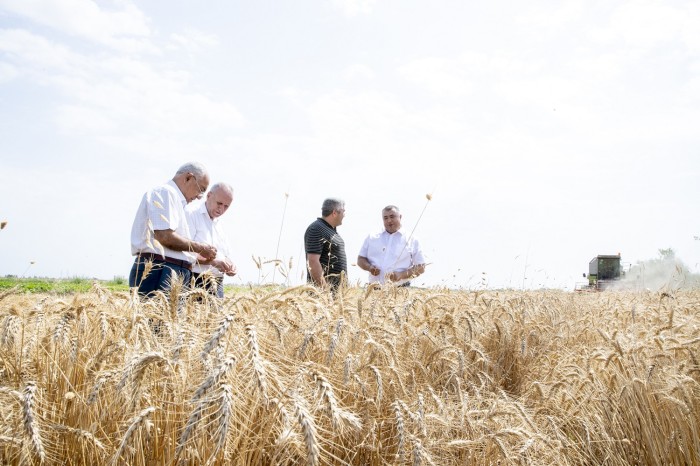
point(321, 238)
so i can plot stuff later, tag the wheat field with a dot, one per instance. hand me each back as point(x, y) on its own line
point(389, 376)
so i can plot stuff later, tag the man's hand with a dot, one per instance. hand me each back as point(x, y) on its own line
point(207, 251)
point(171, 240)
point(232, 271)
point(225, 266)
point(364, 264)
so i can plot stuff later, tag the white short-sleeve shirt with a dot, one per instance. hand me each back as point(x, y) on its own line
point(207, 230)
point(162, 208)
point(391, 252)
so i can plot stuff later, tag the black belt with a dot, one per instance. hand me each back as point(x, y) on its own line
point(157, 257)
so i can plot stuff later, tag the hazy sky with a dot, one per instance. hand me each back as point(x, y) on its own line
point(547, 132)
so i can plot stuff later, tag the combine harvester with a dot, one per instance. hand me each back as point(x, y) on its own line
point(603, 272)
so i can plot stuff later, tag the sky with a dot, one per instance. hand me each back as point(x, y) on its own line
point(545, 133)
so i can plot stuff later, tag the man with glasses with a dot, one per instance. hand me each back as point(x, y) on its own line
point(326, 265)
point(160, 236)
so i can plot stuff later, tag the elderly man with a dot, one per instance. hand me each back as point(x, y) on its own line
point(160, 236)
point(206, 228)
point(325, 249)
point(391, 256)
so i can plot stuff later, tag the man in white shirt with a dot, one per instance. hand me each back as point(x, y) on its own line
point(391, 256)
point(206, 228)
point(160, 234)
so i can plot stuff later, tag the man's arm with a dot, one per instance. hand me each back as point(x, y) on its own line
point(171, 240)
point(365, 264)
point(417, 270)
point(408, 274)
point(225, 265)
point(315, 269)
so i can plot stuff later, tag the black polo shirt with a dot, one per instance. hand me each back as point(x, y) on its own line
point(321, 238)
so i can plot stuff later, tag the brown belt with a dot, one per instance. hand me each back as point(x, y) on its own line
point(157, 257)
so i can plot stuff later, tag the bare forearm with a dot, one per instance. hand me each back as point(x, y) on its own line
point(411, 272)
point(171, 240)
point(315, 269)
point(363, 263)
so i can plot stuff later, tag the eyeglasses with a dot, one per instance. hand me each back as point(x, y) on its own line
point(201, 190)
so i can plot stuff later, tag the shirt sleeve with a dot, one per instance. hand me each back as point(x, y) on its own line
point(162, 211)
point(364, 250)
point(417, 256)
point(313, 243)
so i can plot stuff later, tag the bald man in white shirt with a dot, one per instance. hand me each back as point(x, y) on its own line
point(205, 227)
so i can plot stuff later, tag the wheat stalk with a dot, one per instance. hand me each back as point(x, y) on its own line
point(400, 430)
point(134, 424)
point(340, 418)
point(82, 435)
point(213, 342)
point(256, 360)
point(214, 378)
point(31, 428)
point(223, 415)
point(308, 429)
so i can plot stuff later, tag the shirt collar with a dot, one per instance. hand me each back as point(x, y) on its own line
point(176, 189)
point(397, 233)
point(202, 209)
point(324, 221)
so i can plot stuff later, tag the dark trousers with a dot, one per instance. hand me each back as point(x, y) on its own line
point(213, 285)
point(159, 278)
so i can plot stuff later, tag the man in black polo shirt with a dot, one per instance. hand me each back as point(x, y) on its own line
point(326, 265)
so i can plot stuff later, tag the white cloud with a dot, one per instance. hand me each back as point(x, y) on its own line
point(367, 120)
point(358, 72)
point(124, 28)
point(555, 17)
point(355, 7)
point(691, 89)
point(7, 72)
point(652, 23)
point(36, 54)
point(646, 23)
point(80, 119)
point(604, 66)
point(193, 40)
point(690, 27)
point(438, 75)
point(115, 97)
point(141, 99)
point(541, 91)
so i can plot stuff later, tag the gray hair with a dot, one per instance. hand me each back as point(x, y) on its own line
point(196, 168)
point(331, 204)
point(391, 207)
point(223, 186)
